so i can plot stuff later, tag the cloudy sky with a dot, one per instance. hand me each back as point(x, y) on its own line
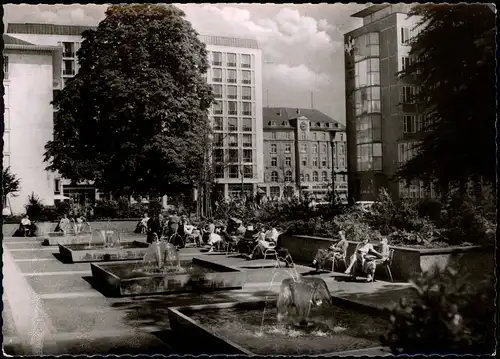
point(302, 45)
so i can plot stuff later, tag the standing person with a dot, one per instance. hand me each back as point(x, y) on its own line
point(173, 226)
point(144, 223)
point(64, 223)
point(79, 224)
point(154, 228)
point(338, 249)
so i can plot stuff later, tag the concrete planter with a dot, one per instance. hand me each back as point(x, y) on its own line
point(110, 280)
point(407, 262)
point(197, 339)
point(78, 253)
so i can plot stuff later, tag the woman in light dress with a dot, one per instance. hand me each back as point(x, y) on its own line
point(363, 259)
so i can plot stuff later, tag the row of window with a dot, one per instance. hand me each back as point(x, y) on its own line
point(275, 192)
point(235, 171)
point(289, 135)
point(416, 190)
point(407, 151)
point(230, 59)
point(367, 100)
point(233, 124)
point(233, 156)
point(304, 161)
point(369, 157)
point(231, 140)
point(408, 94)
point(246, 92)
point(368, 129)
point(366, 46)
point(246, 108)
point(367, 73)
point(408, 34)
point(231, 76)
point(304, 146)
point(303, 178)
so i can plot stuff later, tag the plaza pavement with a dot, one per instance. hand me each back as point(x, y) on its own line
point(52, 308)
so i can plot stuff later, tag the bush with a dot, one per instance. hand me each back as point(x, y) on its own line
point(448, 316)
point(430, 208)
point(34, 208)
point(106, 209)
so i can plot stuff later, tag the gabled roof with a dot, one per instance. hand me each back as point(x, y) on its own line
point(280, 116)
point(9, 40)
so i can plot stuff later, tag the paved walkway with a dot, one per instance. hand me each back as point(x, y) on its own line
point(52, 308)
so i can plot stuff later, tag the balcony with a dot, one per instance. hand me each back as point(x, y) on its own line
point(232, 97)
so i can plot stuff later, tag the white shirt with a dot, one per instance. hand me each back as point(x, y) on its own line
point(25, 222)
point(272, 235)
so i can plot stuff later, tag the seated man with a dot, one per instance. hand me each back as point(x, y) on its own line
point(381, 257)
point(25, 226)
point(360, 259)
point(337, 250)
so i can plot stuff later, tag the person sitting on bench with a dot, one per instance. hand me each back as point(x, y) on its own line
point(339, 248)
point(25, 226)
point(266, 240)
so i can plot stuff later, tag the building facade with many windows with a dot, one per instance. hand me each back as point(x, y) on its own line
point(383, 121)
point(235, 74)
point(305, 152)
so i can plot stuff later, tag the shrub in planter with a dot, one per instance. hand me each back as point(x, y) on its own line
point(106, 209)
point(448, 316)
point(430, 208)
point(34, 208)
point(62, 208)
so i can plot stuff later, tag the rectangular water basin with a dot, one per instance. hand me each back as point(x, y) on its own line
point(236, 328)
point(98, 253)
point(129, 278)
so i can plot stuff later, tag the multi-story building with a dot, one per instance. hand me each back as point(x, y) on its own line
point(383, 121)
point(305, 151)
point(236, 77)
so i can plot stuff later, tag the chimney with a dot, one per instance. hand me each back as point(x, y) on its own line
point(278, 112)
point(298, 111)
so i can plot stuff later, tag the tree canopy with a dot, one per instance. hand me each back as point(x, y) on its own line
point(134, 118)
point(455, 72)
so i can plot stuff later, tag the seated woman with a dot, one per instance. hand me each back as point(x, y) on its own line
point(265, 240)
point(383, 256)
point(64, 224)
point(363, 254)
point(338, 250)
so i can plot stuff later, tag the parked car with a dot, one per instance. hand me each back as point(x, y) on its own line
point(365, 205)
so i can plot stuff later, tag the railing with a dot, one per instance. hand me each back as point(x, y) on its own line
point(69, 72)
point(246, 81)
point(247, 113)
point(217, 63)
point(246, 97)
point(231, 81)
point(231, 64)
point(232, 96)
point(245, 66)
point(217, 79)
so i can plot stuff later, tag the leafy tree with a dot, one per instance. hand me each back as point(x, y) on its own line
point(454, 69)
point(11, 184)
point(134, 118)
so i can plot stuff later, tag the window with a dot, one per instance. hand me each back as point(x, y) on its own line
point(323, 148)
point(408, 94)
point(232, 108)
point(247, 125)
point(57, 185)
point(247, 140)
point(231, 60)
point(246, 93)
point(217, 107)
point(69, 68)
point(368, 129)
point(288, 136)
point(232, 92)
point(274, 192)
point(407, 151)
point(315, 176)
point(314, 135)
point(231, 76)
point(248, 171)
point(217, 90)
point(288, 148)
point(301, 177)
point(405, 36)
point(217, 58)
point(341, 162)
point(219, 171)
point(341, 149)
point(218, 123)
point(303, 135)
point(308, 179)
point(274, 148)
point(405, 63)
point(219, 155)
point(303, 147)
point(5, 67)
point(273, 135)
point(366, 46)
point(68, 49)
point(232, 124)
point(314, 148)
point(367, 100)
point(246, 61)
point(246, 77)
point(323, 162)
point(288, 191)
point(247, 156)
point(367, 73)
point(233, 171)
point(288, 176)
point(233, 156)
point(315, 162)
point(274, 161)
point(247, 108)
point(274, 177)
point(403, 190)
point(219, 139)
point(288, 161)
point(324, 176)
point(303, 161)
point(217, 75)
point(233, 140)
point(323, 137)
point(409, 124)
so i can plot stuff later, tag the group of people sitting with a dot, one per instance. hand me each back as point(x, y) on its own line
point(364, 260)
point(66, 224)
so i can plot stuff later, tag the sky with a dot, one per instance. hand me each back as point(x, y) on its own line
point(302, 45)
